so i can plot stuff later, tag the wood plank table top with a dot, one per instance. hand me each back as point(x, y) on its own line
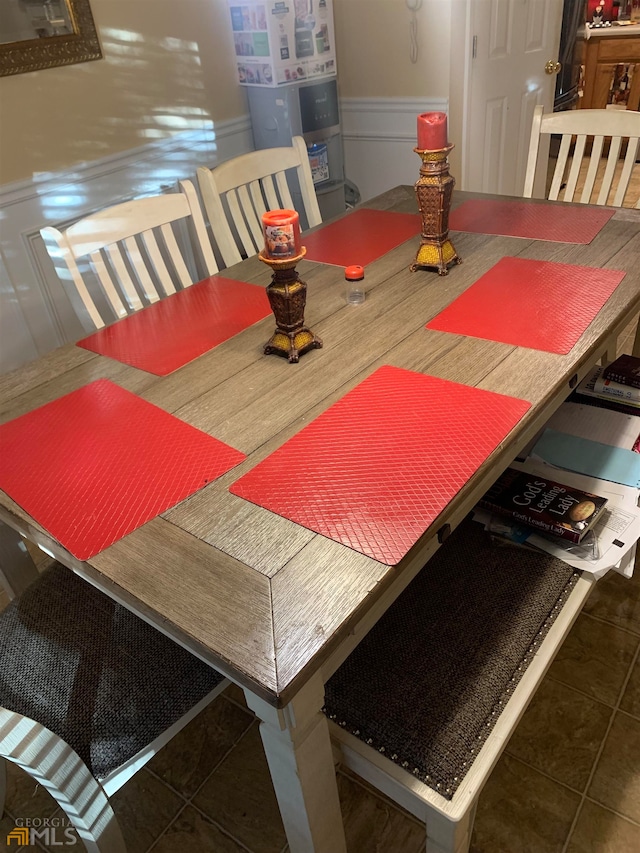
point(265, 600)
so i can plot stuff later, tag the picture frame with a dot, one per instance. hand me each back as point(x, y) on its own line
point(74, 40)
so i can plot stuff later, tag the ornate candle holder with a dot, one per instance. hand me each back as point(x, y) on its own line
point(288, 296)
point(434, 189)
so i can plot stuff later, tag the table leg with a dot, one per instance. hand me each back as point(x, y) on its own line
point(298, 749)
point(17, 569)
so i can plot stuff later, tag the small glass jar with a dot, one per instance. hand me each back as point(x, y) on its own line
point(354, 277)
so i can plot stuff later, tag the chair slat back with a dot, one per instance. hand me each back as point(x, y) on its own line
point(132, 250)
point(236, 194)
point(580, 161)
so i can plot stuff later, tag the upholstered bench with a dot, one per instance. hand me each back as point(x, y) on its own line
point(425, 704)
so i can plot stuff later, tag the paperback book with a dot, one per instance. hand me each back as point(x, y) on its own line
point(625, 370)
point(547, 505)
point(594, 385)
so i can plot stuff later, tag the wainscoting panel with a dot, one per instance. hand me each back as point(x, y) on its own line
point(379, 138)
point(36, 314)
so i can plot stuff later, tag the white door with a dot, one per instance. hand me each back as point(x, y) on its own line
point(510, 43)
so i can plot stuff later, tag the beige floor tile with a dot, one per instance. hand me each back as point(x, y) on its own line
point(144, 808)
point(595, 658)
point(601, 831)
point(187, 760)
point(372, 824)
point(631, 699)
point(239, 797)
point(616, 783)
point(521, 811)
point(617, 600)
point(191, 832)
point(561, 733)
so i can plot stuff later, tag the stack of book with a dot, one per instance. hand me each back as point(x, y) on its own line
point(618, 382)
point(544, 504)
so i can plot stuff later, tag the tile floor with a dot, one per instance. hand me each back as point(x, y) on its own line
point(568, 782)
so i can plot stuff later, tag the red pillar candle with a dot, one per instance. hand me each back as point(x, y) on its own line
point(281, 229)
point(432, 131)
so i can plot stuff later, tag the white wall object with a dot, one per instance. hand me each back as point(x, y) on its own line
point(379, 138)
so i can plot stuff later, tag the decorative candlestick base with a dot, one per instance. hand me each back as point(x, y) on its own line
point(434, 189)
point(288, 296)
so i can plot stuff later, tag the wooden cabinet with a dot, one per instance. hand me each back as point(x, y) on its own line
point(604, 51)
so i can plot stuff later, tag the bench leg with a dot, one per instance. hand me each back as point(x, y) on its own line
point(447, 836)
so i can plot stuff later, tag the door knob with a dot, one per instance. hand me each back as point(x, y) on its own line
point(552, 67)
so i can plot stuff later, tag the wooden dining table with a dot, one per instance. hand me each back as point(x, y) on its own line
point(273, 604)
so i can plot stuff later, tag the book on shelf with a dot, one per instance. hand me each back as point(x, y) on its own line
point(625, 370)
point(593, 385)
point(550, 506)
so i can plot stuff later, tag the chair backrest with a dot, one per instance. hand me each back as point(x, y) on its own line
point(132, 249)
point(250, 185)
point(598, 181)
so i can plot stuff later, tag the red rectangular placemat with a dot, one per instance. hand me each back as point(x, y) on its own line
point(172, 332)
point(361, 237)
point(560, 223)
point(379, 466)
point(96, 464)
point(538, 304)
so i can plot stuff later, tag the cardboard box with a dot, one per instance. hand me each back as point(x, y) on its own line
point(282, 41)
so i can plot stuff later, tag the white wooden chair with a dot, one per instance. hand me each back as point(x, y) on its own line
point(88, 694)
point(377, 699)
point(583, 175)
point(602, 182)
point(132, 250)
point(249, 185)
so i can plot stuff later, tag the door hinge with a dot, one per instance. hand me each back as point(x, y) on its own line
point(474, 49)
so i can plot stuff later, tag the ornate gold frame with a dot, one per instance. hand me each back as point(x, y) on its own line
point(36, 54)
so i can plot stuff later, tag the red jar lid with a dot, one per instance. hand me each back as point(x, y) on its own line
point(354, 272)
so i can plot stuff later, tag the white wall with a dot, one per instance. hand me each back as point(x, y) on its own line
point(77, 138)
point(163, 100)
point(166, 69)
point(392, 65)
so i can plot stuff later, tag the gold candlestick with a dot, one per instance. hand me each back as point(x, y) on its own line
point(434, 189)
point(288, 296)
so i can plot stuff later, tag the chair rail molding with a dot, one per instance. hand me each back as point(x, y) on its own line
point(379, 138)
point(36, 314)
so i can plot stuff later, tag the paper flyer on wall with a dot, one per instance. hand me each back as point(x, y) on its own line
point(607, 546)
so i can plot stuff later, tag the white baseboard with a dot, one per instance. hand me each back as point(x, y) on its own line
point(379, 138)
point(35, 313)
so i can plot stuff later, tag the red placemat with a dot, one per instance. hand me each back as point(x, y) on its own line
point(560, 223)
point(172, 332)
point(96, 464)
point(378, 467)
point(537, 304)
point(361, 237)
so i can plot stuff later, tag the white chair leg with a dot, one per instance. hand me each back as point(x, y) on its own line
point(59, 769)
